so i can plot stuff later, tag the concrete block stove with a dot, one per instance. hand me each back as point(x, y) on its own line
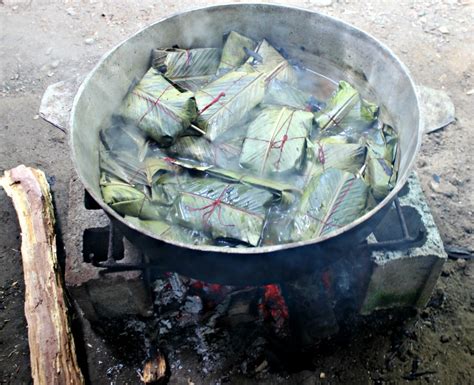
point(396, 267)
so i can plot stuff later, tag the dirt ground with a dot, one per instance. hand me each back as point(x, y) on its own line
point(42, 42)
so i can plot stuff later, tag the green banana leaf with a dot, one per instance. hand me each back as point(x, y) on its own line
point(381, 166)
point(391, 142)
point(228, 145)
point(223, 210)
point(223, 152)
point(172, 232)
point(283, 94)
point(234, 53)
point(286, 192)
point(378, 174)
point(130, 200)
point(383, 140)
point(331, 200)
point(328, 153)
point(368, 111)
point(158, 108)
point(276, 141)
point(226, 101)
point(279, 225)
point(340, 104)
point(358, 123)
point(126, 154)
point(122, 137)
point(124, 166)
point(166, 187)
point(363, 111)
point(195, 148)
point(272, 64)
point(189, 69)
point(226, 151)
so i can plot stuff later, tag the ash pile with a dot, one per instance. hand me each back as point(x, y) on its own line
point(230, 329)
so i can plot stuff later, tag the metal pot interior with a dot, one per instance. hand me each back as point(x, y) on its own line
point(320, 42)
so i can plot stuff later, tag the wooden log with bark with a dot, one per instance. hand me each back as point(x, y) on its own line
point(52, 350)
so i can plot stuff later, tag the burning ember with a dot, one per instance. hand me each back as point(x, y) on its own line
point(273, 306)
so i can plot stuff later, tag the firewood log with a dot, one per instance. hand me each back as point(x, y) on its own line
point(52, 350)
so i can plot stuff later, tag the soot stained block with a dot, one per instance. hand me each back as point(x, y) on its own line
point(86, 237)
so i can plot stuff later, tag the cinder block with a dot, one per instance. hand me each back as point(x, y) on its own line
point(111, 295)
point(407, 278)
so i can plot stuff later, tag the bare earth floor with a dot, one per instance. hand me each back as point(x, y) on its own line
point(42, 42)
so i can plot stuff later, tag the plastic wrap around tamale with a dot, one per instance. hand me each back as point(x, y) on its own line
point(235, 51)
point(228, 100)
point(330, 201)
point(223, 210)
point(276, 141)
point(189, 69)
point(158, 108)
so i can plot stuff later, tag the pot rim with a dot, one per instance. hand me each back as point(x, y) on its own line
point(401, 181)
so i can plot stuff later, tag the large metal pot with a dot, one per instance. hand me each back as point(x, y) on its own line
point(304, 35)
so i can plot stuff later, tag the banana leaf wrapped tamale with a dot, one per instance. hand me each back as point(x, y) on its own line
point(130, 166)
point(330, 201)
point(158, 108)
point(227, 100)
point(195, 148)
point(357, 123)
point(269, 61)
point(131, 170)
point(363, 113)
point(340, 104)
point(223, 210)
point(189, 69)
point(283, 94)
point(235, 51)
point(276, 141)
point(119, 136)
point(173, 183)
point(284, 191)
point(172, 232)
point(126, 154)
point(381, 170)
point(378, 174)
point(327, 153)
point(130, 200)
point(223, 152)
